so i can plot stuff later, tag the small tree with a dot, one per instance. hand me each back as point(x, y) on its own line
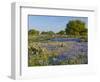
point(33, 32)
point(61, 32)
point(48, 32)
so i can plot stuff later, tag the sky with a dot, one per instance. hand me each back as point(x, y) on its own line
point(51, 23)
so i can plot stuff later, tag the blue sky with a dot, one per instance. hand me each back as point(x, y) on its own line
point(51, 23)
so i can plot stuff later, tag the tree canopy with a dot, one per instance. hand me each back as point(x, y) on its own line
point(33, 32)
point(76, 27)
point(62, 32)
point(48, 32)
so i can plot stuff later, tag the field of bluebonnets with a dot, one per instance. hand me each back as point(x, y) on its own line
point(66, 47)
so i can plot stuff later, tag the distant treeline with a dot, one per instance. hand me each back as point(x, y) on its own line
point(74, 27)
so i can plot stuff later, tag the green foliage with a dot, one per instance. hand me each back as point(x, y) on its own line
point(61, 32)
point(48, 32)
point(33, 32)
point(76, 27)
point(39, 38)
point(37, 57)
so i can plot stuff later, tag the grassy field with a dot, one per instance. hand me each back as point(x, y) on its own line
point(44, 50)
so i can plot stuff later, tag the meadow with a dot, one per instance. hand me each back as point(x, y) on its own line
point(55, 49)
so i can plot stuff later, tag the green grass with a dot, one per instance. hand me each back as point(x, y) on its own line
point(39, 55)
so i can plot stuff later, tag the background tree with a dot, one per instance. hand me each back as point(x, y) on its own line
point(48, 32)
point(62, 32)
point(76, 27)
point(33, 32)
